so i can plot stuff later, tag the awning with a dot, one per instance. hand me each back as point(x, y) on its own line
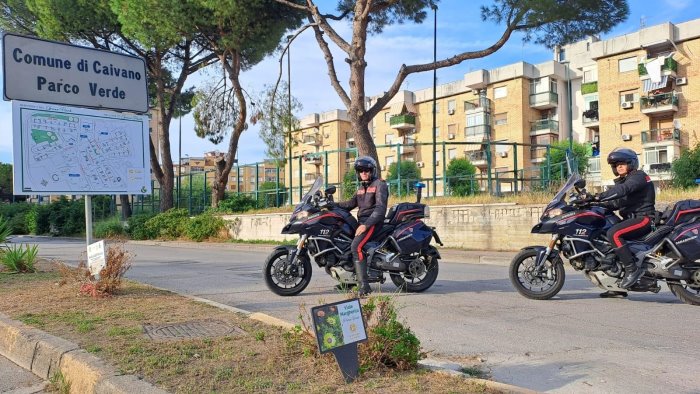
point(397, 108)
point(650, 86)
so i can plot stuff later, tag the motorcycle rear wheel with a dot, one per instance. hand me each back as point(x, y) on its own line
point(283, 280)
point(536, 285)
point(421, 275)
point(685, 293)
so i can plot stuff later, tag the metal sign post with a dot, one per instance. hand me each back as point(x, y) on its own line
point(339, 327)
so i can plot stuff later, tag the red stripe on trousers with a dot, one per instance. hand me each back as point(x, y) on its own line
point(363, 242)
point(616, 236)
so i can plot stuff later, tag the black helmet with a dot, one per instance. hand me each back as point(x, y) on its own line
point(623, 155)
point(366, 163)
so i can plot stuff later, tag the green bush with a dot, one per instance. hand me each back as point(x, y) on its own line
point(409, 173)
point(204, 226)
point(110, 228)
point(460, 178)
point(5, 230)
point(237, 203)
point(20, 258)
point(686, 168)
point(168, 225)
point(37, 219)
point(349, 185)
point(557, 158)
point(15, 214)
point(136, 227)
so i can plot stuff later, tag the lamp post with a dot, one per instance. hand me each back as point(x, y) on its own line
point(434, 7)
point(179, 161)
point(569, 99)
point(289, 112)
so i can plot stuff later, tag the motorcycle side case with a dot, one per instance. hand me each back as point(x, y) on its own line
point(412, 236)
point(405, 211)
point(681, 212)
point(686, 237)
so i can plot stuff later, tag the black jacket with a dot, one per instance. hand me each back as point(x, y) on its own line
point(371, 201)
point(634, 195)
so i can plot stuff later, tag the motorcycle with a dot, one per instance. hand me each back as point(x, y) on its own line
point(578, 228)
point(401, 249)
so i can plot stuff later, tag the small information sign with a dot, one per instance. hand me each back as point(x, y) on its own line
point(96, 257)
point(339, 327)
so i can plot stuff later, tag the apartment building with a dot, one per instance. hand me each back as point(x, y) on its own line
point(640, 91)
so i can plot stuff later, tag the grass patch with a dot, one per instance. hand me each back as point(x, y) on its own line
point(59, 384)
point(263, 360)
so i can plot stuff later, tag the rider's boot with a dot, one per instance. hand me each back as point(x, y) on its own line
point(632, 271)
point(361, 275)
point(613, 294)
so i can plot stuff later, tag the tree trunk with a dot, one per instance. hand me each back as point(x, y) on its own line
point(218, 187)
point(126, 206)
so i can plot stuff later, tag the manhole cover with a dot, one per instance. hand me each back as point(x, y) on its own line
point(191, 329)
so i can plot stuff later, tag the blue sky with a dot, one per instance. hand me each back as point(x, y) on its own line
point(459, 29)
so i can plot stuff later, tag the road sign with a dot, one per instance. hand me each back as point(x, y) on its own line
point(69, 150)
point(59, 73)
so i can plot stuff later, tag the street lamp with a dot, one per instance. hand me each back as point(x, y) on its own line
point(566, 64)
point(289, 111)
point(179, 162)
point(434, 7)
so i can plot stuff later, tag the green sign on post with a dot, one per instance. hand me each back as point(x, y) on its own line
point(339, 327)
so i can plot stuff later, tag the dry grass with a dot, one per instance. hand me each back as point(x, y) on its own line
point(265, 359)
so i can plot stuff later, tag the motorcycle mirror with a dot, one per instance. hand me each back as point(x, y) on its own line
point(580, 184)
point(330, 190)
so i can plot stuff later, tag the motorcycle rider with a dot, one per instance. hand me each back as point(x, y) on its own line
point(371, 199)
point(634, 196)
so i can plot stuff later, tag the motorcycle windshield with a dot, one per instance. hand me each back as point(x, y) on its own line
point(561, 194)
point(307, 197)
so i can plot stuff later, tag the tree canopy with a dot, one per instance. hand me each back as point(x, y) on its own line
point(460, 177)
point(549, 22)
point(686, 168)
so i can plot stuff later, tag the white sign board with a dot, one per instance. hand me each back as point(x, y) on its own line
point(59, 73)
point(68, 150)
point(338, 324)
point(96, 257)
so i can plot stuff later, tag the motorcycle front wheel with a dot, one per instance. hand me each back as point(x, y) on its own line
point(533, 283)
point(420, 274)
point(284, 278)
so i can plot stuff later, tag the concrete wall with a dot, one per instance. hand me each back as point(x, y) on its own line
point(475, 227)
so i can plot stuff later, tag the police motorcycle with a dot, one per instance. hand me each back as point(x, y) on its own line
point(578, 227)
point(401, 249)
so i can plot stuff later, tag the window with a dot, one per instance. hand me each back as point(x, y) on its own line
point(452, 153)
point(437, 131)
point(562, 55)
point(629, 96)
point(388, 139)
point(452, 129)
point(553, 85)
point(657, 155)
point(388, 160)
point(627, 64)
point(500, 119)
point(387, 117)
point(500, 92)
point(451, 106)
point(590, 76)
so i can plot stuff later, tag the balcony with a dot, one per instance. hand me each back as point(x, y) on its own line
point(312, 139)
point(482, 104)
point(477, 133)
point(538, 154)
point(589, 118)
point(477, 158)
point(659, 104)
point(589, 87)
point(408, 147)
point(670, 67)
point(544, 126)
point(544, 100)
point(667, 136)
point(402, 122)
point(313, 159)
point(660, 170)
point(594, 164)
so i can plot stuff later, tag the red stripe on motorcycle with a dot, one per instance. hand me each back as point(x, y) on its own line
point(363, 242)
point(681, 213)
point(616, 236)
point(683, 233)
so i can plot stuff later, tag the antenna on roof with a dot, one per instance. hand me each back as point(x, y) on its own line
point(642, 22)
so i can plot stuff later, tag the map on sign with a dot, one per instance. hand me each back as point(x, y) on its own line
point(68, 150)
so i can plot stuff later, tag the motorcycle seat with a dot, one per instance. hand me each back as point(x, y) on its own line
point(656, 236)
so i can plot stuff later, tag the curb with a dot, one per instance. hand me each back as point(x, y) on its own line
point(45, 355)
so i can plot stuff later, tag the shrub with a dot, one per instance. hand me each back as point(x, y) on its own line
point(66, 217)
point(110, 228)
point(460, 178)
point(270, 196)
point(168, 225)
point(15, 214)
point(136, 226)
point(20, 258)
point(108, 282)
point(349, 185)
point(686, 168)
point(409, 173)
point(204, 226)
point(557, 158)
point(37, 219)
point(237, 203)
point(5, 230)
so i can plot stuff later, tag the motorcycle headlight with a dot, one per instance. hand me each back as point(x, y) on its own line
point(302, 215)
point(426, 211)
point(553, 212)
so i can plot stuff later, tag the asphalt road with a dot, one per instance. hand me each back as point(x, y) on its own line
point(575, 342)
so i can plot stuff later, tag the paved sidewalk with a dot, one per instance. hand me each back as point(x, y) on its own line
point(17, 380)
